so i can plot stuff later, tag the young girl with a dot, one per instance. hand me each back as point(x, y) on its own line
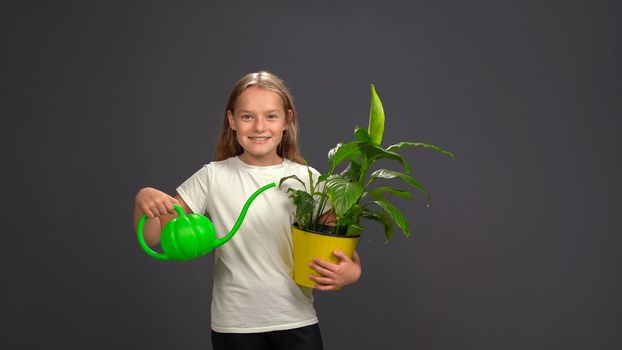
point(255, 302)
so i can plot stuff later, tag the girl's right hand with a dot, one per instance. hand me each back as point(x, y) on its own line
point(155, 203)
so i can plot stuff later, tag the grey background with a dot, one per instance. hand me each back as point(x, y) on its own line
point(520, 248)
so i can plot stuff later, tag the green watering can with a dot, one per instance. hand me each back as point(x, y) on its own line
point(191, 236)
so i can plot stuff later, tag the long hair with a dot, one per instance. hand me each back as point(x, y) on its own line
point(228, 145)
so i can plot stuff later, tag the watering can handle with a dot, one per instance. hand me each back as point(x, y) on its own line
point(141, 239)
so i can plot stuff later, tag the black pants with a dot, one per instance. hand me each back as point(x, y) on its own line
point(304, 338)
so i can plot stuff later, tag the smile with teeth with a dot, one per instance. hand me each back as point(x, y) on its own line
point(259, 139)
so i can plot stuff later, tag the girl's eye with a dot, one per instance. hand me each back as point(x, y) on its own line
point(272, 116)
point(246, 116)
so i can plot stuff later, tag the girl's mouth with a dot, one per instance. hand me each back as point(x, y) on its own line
point(262, 139)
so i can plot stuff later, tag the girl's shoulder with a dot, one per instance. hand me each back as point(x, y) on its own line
point(225, 164)
point(219, 163)
point(208, 169)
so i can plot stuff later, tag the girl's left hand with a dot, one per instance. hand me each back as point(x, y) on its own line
point(335, 276)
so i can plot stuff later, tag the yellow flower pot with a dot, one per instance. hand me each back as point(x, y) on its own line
point(309, 245)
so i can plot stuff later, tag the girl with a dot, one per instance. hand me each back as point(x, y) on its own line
point(255, 302)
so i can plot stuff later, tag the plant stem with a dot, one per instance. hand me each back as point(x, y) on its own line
point(322, 200)
point(312, 192)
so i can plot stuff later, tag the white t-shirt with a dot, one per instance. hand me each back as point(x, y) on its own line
point(254, 290)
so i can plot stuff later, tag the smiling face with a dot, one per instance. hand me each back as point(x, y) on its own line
point(259, 120)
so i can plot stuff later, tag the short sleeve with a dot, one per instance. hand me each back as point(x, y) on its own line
point(194, 190)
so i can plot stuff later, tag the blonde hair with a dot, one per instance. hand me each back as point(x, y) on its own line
point(228, 145)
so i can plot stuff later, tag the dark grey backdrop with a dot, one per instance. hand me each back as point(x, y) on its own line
point(519, 250)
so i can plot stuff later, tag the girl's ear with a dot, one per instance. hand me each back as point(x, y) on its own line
point(290, 118)
point(230, 118)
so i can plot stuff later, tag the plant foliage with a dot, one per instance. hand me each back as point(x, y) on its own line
point(352, 193)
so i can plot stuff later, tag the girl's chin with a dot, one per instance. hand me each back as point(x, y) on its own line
point(260, 149)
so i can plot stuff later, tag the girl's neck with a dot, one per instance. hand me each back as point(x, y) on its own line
point(260, 161)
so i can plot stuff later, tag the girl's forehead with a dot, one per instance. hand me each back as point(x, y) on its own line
point(257, 97)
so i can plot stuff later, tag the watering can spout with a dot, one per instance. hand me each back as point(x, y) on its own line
point(238, 223)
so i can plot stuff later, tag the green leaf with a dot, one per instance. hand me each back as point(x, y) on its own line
point(396, 215)
point(351, 217)
point(394, 191)
point(342, 194)
point(346, 221)
point(312, 189)
point(419, 144)
point(305, 205)
point(304, 201)
point(354, 213)
point(352, 172)
point(382, 218)
point(362, 135)
point(283, 179)
point(342, 152)
point(374, 153)
point(376, 118)
point(354, 230)
point(320, 179)
point(390, 174)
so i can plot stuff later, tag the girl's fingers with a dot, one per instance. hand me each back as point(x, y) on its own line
point(341, 256)
point(321, 270)
point(149, 213)
point(169, 204)
point(156, 203)
point(169, 208)
point(162, 209)
point(324, 264)
point(320, 280)
point(325, 287)
point(173, 200)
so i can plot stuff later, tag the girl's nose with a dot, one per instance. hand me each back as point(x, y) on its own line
point(259, 124)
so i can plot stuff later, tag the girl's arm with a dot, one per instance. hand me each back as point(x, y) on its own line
point(159, 209)
point(328, 218)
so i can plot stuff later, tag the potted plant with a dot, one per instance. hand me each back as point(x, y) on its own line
point(353, 195)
